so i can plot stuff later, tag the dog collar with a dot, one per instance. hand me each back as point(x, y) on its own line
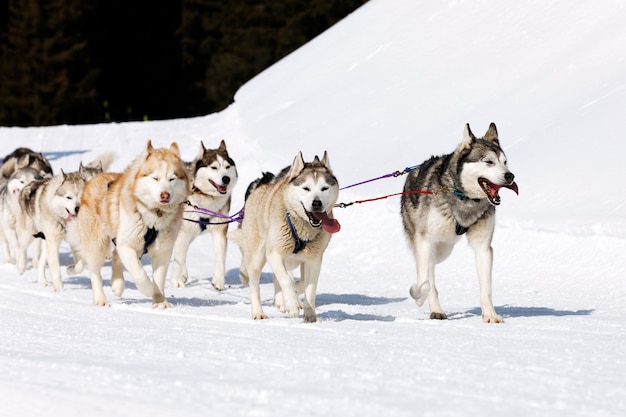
point(461, 196)
point(300, 243)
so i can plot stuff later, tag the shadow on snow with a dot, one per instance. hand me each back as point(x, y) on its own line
point(517, 311)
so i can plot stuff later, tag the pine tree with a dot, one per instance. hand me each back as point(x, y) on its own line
point(45, 74)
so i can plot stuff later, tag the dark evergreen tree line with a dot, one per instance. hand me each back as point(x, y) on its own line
point(86, 61)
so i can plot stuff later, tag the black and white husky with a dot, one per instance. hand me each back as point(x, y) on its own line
point(214, 176)
point(465, 188)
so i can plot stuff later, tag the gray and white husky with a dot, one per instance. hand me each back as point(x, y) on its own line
point(288, 222)
point(213, 176)
point(465, 188)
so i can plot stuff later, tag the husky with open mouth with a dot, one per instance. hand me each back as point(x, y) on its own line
point(288, 222)
point(47, 206)
point(213, 175)
point(466, 186)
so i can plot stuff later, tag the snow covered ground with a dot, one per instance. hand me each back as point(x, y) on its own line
point(384, 89)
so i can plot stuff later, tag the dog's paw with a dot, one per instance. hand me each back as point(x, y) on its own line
point(492, 318)
point(177, 283)
point(43, 283)
point(218, 285)
point(310, 317)
point(77, 268)
point(436, 315)
point(259, 316)
point(118, 286)
point(162, 304)
point(101, 303)
point(420, 294)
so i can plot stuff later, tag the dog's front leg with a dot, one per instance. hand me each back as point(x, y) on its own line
point(41, 266)
point(179, 274)
point(219, 243)
point(291, 305)
point(51, 249)
point(132, 262)
point(160, 262)
point(479, 239)
point(484, 266)
point(310, 278)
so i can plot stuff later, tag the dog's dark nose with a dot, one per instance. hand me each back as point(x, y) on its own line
point(509, 177)
point(316, 205)
point(76, 210)
point(226, 180)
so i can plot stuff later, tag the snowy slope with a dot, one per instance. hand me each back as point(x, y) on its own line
point(384, 89)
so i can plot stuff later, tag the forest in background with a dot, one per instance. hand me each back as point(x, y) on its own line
point(90, 61)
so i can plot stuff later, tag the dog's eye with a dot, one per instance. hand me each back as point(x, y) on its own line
point(489, 162)
point(307, 189)
point(324, 188)
point(154, 177)
point(173, 178)
point(214, 168)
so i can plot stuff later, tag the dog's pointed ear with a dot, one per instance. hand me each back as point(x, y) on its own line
point(149, 147)
point(325, 160)
point(174, 148)
point(468, 137)
point(202, 150)
point(297, 166)
point(492, 133)
point(24, 161)
point(222, 147)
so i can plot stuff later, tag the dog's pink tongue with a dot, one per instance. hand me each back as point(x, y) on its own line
point(328, 224)
point(513, 186)
point(68, 218)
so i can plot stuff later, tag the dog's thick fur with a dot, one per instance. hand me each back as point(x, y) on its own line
point(213, 175)
point(466, 184)
point(288, 222)
point(138, 211)
point(21, 166)
point(22, 157)
point(47, 206)
point(11, 210)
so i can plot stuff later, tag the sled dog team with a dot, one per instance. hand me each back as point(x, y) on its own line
point(288, 220)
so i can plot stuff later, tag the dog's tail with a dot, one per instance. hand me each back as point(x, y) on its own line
point(103, 161)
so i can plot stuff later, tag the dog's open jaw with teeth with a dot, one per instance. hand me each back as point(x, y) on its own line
point(491, 189)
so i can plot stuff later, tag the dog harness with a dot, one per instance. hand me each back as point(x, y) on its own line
point(300, 243)
point(203, 222)
point(458, 228)
point(148, 239)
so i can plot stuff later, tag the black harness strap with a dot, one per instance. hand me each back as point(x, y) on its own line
point(148, 239)
point(299, 243)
